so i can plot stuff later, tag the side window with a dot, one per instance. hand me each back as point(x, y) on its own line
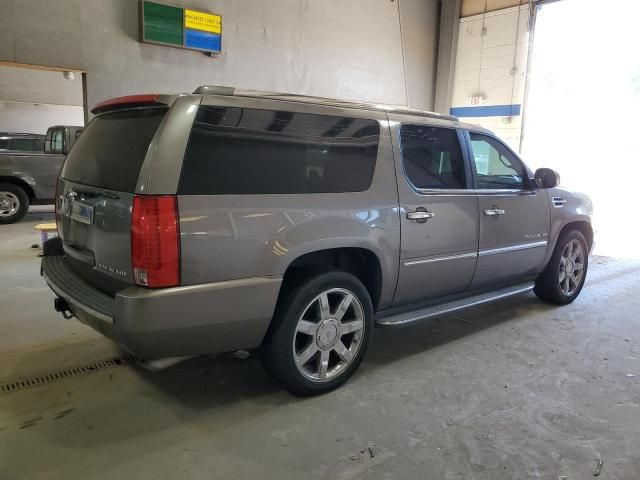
point(431, 157)
point(241, 151)
point(496, 166)
point(24, 144)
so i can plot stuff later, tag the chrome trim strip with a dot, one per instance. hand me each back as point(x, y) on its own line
point(439, 259)
point(512, 248)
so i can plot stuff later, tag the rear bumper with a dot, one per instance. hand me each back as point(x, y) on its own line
point(181, 321)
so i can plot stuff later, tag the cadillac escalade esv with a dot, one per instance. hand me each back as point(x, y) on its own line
point(227, 220)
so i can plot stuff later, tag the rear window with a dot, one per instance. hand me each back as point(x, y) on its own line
point(111, 149)
point(238, 151)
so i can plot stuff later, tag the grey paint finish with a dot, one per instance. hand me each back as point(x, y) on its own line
point(293, 46)
point(38, 170)
point(525, 222)
point(104, 247)
point(438, 256)
point(218, 317)
point(578, 208)
point(242, 237)
point(235, 249)
point(155, 323)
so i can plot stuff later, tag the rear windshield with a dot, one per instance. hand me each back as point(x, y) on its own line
point(239, 151)
point(111, 149)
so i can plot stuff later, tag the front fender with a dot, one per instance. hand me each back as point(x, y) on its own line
point(577, 208)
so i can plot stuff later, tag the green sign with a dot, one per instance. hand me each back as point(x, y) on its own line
point(162, 23)
point(180, 27)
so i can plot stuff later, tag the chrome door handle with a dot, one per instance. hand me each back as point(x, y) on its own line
point(494, 212)
point(421, 215)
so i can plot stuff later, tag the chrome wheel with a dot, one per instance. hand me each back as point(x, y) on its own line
point(328, 335)
point(571, 268)
point(9, 204)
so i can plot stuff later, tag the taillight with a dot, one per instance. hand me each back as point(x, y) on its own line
point(155, 241)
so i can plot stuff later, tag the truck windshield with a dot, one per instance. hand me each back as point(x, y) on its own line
point(111, 149)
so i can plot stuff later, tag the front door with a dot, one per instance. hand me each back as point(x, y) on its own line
point(438, 213)
point(514, 219)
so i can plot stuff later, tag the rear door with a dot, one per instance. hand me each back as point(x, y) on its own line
point(514, 219)
point(95, 194)
point(438, 214)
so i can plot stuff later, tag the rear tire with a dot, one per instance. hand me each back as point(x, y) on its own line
point(563, 278)
point(14, 203)
point(320, 333)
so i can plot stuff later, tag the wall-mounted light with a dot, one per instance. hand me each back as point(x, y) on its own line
point(69, 75)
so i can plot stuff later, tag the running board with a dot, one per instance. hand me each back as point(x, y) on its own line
point(407, 318)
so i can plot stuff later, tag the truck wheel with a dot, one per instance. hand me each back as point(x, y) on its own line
point(14, 203)
point(564, 276)
point(320, 333)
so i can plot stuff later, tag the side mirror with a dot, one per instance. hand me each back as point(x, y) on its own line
point(546, 178)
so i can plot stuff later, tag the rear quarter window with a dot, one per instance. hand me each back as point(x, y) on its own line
point(240, 151)
point(110, 152)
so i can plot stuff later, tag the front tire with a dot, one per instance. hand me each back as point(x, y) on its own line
point(320, 334)
point(14, 203)
point(563, 278)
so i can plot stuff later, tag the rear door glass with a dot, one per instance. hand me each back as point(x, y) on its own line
point(432, 157)
point(238, 151)
point(111, 149)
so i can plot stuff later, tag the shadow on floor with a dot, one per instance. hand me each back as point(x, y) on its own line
point(204, 383)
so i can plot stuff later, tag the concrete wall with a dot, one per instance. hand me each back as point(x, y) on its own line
point(490, 70)
point(33, 100)
point(37, 117)
point(349, 50)
point(475, 7)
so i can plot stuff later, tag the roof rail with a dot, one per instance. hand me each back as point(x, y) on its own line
point(214, 90)
point(219, 90)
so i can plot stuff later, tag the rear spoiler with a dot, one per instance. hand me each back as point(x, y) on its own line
point(127, 102)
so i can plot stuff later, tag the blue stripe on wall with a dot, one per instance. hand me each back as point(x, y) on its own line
point(487, 111)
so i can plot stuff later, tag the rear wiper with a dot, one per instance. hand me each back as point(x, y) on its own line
point(110, 194)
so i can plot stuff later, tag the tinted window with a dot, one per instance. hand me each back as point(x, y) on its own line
point(496, 166)
point(111, 149)
point(4, 144)
point(236, 151)
point(432, 157)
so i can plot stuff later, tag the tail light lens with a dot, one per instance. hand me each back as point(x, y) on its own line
point(155, 241)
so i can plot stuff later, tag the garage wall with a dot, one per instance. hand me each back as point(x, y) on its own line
point(349, 50)
point(33, 100)
point(490, 70)
point(475, 7)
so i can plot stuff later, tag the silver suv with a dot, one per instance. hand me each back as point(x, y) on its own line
point(228, 220)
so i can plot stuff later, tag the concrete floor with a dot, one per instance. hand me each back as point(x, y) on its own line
point(518, 389)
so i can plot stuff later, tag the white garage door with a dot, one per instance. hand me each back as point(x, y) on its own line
point(581, 116)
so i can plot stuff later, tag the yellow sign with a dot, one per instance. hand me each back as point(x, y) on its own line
point(202, 21)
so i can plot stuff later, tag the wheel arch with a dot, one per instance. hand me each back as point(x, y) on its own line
point(19, 183)
point(581, 225)
point(361, 262)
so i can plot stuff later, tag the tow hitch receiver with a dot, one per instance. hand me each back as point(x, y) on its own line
point(61, 305)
